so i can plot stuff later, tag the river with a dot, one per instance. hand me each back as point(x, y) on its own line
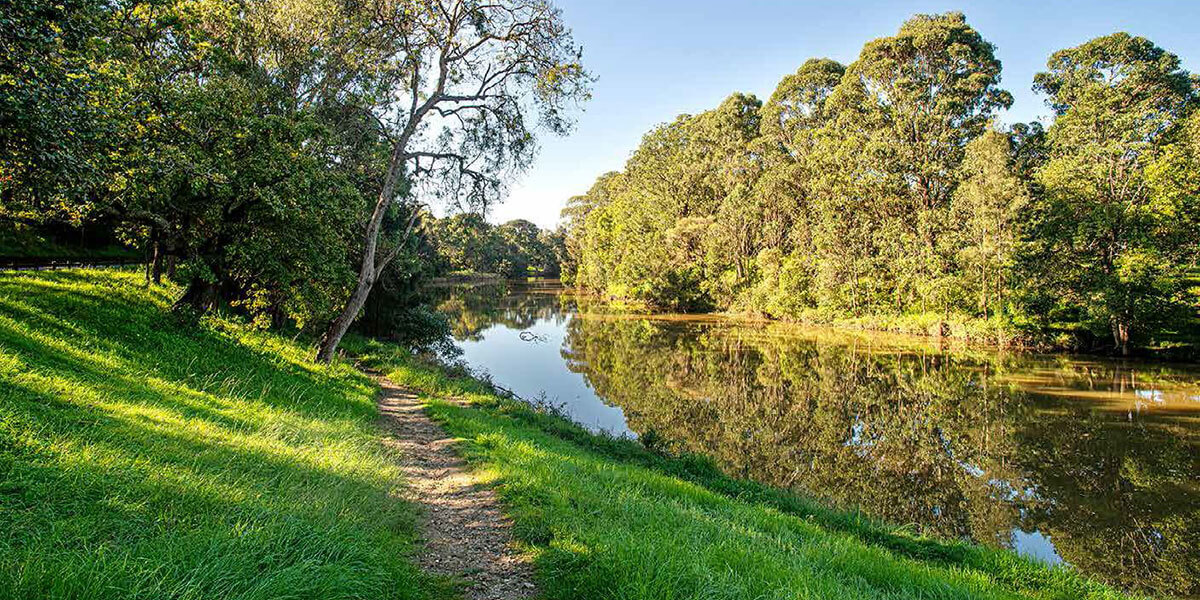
point(1068, 459)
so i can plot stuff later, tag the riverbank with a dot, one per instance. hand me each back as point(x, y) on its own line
point(466, 278)
point(609, 517)
point(994, 332)
point(143, 456)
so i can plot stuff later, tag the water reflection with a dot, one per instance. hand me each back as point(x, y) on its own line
point(1092, 462)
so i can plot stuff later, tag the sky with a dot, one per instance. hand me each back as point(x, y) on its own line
point(656, 59)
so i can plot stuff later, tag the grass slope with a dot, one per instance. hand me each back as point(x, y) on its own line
point(143, 457)
point(606, 518)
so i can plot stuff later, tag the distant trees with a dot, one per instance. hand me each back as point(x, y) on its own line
point(881, 189)
point(518, 248)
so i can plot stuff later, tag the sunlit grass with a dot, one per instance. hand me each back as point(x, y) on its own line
point(607, 518)
point(146, 457)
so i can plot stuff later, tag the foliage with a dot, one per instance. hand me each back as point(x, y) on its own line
point(52, 111)
point(248, 145)
point(468, 83)
point(516, 249)
point(224, 136)
point(145, 457)
point(880, 192)
point(1120, 252)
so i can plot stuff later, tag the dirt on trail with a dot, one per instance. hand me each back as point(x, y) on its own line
point(464, 532)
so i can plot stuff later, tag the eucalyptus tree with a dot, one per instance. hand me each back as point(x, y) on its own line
point(679, 225)
point(586, 234)
point(796, 109)
point(906, 110)
point(574, 216)
point(735, 234)
point(790, 121)
point(468, 76)
point(986, 213)
point(1117, 100)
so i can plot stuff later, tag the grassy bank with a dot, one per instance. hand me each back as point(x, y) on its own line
point(146, 457)
point(607, 518)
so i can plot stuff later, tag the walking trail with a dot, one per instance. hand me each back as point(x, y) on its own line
point(465, 533)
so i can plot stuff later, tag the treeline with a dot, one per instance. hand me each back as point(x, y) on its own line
point(885, 193)
point(275, 157)
point(468, 243)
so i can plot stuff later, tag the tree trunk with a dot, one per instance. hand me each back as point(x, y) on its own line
point(369, 271)
point(1120, 331)
point(156, 263)
point(340, 325)
point(148, 257)
point(200, 296)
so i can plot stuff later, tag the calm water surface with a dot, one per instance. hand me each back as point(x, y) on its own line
point(1091, 462)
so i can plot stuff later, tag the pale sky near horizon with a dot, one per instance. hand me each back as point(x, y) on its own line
point(656, 59)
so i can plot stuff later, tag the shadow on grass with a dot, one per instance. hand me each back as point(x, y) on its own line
point(145, 457)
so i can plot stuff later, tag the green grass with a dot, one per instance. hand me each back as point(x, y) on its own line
point(608, 518)
point(143, 456)
point(146, 457)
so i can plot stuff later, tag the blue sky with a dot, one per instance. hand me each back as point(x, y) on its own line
point(655, 59)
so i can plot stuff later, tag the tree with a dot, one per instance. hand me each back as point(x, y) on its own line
point(467, 74)
point(791, 119)
point(522, 248)
point(225, 136)
point(242, 148)
point(53, 114)
point(880, 189)
point(905, 112)
point(986, 211)
point(1117, 101)
point(575, 215)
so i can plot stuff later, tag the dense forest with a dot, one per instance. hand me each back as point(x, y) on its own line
point(468, 243)
point(885, 193)
point(281, 158)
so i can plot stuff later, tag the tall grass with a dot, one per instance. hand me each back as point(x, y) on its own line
point(609, 518)
point(146, 457)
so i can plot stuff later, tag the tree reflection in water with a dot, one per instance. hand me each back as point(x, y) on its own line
point(1102, 458)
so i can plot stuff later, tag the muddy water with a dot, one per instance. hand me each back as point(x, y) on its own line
point(1087, 461)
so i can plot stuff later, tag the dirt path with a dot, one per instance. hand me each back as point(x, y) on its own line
point(464, 531)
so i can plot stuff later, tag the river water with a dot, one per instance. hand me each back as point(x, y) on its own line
point(1082, 460)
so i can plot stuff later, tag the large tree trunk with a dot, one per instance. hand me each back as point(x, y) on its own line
point(340, 325)
point(369, 271)
point(200, 295)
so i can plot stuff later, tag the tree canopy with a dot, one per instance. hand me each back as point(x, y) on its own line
point(885, 191)
point(276, 156)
